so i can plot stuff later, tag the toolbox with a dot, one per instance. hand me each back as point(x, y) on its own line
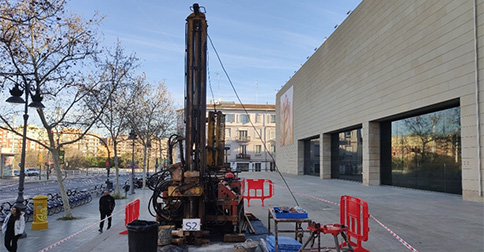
point(290, 213)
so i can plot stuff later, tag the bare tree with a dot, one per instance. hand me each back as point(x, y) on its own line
point(422, 127)
point(45, 47)
point(152, 114)
point(74, 158)
point(117, 71)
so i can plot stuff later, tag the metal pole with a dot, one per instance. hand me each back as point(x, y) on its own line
point(132, 170)
point(20, 198)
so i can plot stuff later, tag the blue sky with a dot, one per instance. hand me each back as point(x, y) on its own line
point(261, 43)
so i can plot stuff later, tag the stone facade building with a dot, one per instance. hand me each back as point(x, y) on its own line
point(250, 134)
point(392, 97)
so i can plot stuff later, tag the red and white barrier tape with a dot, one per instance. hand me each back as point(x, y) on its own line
point(395, 235)
point(77, 233)
point(379, 222)
point(320, 199)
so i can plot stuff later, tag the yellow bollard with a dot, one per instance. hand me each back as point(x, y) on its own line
point(40, 213)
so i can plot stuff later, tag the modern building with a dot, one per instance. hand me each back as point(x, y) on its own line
point(392, 97)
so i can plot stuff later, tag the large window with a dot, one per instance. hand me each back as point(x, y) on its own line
point(426, 152)
point(257, 166)
point(272, 134)
point(272, 118)
point(244, 118)
point(243, 149)
point(229, 118)
point(347, 155)
point(242, 167)
point(311, 157)
point(258, 118)
point(258, 149)
point(243, 135)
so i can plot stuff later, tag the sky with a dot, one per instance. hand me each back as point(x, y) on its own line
point(261, 43)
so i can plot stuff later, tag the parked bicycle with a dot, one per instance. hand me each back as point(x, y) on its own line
point(54, 204)
point(5, 210)
point(78, 198)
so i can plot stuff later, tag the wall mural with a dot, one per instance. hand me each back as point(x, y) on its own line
point(286, 125)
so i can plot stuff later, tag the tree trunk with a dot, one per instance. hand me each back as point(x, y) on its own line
point(144, 167)
point(62, 189)
point(162, 161)
point(116, 165)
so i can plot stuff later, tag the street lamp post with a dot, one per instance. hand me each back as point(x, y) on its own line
point(132, 136)
point(16, 98)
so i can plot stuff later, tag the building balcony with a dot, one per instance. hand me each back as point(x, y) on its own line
point(242, 139)
point(242, 156)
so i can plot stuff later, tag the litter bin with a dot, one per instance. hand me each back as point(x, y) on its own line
point(142, 236)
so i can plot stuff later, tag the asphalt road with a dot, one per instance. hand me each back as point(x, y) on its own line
point(34, 187)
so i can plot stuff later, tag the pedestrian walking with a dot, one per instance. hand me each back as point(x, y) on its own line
point(13, 227)
point(106, 207)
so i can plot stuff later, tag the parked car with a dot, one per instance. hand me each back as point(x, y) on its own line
point(32, 172)
point(16, 172)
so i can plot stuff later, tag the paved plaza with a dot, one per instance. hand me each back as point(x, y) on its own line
point(427, 221)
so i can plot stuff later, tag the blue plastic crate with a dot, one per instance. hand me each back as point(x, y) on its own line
point(272, 249)
point(286, 244)
point(283, 214)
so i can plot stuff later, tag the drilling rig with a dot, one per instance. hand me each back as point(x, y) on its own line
point(198, 194)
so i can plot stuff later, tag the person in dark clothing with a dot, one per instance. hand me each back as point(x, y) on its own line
point(13, 227)
point(106, 207)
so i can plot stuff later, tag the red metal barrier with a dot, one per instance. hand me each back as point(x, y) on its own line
point(354, 224)
point(131, 213)
point(354, 214)
point(258, 189)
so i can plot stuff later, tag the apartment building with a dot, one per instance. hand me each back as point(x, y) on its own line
point(250, 134)
point(12, 143)
point(90, 144)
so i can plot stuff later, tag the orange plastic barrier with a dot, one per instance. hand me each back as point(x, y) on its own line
point(131, 213)
point(354, 215)
point(256, 189)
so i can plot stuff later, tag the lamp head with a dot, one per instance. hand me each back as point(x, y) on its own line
point(37, 100)
point(16, 92)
